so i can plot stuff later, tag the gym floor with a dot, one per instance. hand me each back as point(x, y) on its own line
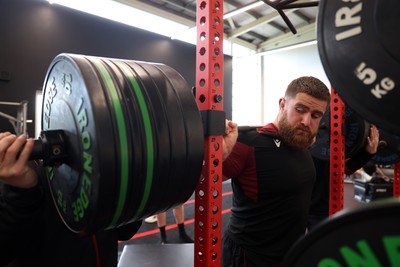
point(149, 234)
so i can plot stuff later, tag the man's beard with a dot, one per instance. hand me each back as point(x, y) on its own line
point(289, 136)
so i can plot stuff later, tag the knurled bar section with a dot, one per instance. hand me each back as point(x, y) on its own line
point(337, 110)
point(209, 92)
point(396, 180)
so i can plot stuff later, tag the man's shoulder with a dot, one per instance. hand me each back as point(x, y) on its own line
point(251, 137)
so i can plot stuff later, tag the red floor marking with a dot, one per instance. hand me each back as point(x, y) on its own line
point(168, 227)
point(172, 226)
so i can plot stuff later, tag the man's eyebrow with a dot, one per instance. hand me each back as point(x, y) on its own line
point(302, 106)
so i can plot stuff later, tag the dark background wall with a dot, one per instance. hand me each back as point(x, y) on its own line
point(33, 32)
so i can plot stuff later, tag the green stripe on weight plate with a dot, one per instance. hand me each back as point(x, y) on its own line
point(122, 138)
point(148, 133)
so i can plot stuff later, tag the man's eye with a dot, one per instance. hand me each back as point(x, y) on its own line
point(316, 115)
point(300, 110)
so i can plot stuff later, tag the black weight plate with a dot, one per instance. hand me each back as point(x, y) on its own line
point(170, 154)
point(120, 115)
point(73, 102)
point(136, 121)
point(191, 157)
point(358, 43)
point(366, 236)
point(111, 141)
point(355, 131)
point(151, 199)
point(164, 147)
point(388, 150)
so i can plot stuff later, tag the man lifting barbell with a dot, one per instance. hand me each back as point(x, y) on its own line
point(272, 175)
point(90, 195)
point(31, 231)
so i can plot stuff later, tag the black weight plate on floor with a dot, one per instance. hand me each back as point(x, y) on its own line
point(366, 236)
point(388, 150)
point(355, 130)
point(74, 102)
point(358, 42)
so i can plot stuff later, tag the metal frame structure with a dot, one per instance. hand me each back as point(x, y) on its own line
point(337, 159)
point(19, 122)
point(209, 97)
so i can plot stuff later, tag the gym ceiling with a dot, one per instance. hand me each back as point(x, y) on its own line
point(258, 25)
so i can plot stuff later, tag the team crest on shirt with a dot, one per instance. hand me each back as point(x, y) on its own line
point(277, 142)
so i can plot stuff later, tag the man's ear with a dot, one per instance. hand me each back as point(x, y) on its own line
point(281, 103)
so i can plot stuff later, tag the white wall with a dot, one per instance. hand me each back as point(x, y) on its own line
point(246, 90)
point(281, 68)
point(255, 98)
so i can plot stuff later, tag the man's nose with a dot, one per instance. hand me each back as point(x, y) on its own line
point(306, 120)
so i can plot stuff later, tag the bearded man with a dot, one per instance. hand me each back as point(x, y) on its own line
point(272, 176)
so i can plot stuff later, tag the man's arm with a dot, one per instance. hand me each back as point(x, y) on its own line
point(19, 207)
point(21, 196)
point(364, 155)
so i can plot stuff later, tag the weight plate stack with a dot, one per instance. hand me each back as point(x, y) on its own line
point(156, 135)
point(388, 149)
point(179, 109)
point(358, 43)
point(135, 139)
point(355, 131)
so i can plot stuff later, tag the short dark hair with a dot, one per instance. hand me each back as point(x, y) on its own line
point(309, 85)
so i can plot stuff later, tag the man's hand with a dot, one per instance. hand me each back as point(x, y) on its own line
point(229, 141)
point(372, 140)
point(14, 155)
